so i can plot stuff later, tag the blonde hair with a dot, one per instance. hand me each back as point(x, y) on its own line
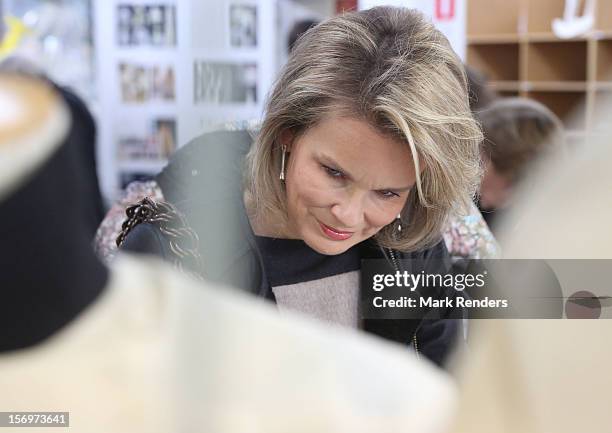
point(393, 69)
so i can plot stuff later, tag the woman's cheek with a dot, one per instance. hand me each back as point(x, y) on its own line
point(316, 189)
point(320, 195)
point(379, 218)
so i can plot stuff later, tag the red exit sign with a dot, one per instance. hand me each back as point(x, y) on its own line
point(445, 10)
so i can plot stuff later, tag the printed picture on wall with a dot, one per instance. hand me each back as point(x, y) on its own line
point(142, 83)
point(155, 143)
point(223, 83)
point(243, 25)
point(142, 25)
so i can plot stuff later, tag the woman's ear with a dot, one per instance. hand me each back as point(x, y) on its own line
point(286, 138)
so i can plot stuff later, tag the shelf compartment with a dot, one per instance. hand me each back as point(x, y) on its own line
point(540, 14)
point(508, 93)
point(557, 61)
point(569, 106)
point(504, 20)
point(498, 62)
point(603, 15)
point(604, 60)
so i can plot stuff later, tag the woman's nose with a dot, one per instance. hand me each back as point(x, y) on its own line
point(349, 211)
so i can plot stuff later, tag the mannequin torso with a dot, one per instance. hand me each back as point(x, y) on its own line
point(49, 271)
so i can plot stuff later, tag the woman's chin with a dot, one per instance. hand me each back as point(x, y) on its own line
point(327, 247)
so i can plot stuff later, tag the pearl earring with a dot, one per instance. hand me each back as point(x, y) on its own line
point(399, 222)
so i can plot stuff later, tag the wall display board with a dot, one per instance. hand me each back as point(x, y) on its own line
point(172, 69)
point(513, 43)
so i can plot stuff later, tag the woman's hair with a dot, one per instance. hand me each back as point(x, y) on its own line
point(518, 132)
point(390, 67)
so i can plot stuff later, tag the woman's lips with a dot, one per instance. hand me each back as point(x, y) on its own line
point(336, 235)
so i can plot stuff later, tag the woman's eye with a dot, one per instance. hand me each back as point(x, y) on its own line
point(337, 174)
point(388, 194)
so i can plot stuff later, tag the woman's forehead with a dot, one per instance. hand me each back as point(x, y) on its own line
point(360, 149)
point(352, 134)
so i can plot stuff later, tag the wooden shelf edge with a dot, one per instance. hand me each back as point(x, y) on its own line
point(505, 86)
point(602, 34)
point(546, 86)
point(603, 85)
point(551, 37)
point(554, 86)
point(502, 38)
point(535, 37)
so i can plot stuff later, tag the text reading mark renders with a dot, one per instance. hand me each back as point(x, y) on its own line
point(459, 302)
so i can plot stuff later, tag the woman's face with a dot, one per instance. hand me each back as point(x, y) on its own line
point(344, 181)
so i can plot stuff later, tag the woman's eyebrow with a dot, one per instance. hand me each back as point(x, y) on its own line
point(329, 160)
point(325, 159)
point(401, 189)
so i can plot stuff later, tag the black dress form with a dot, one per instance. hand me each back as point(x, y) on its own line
point(49, 272)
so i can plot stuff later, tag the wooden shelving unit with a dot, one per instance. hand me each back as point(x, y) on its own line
point(512, 43)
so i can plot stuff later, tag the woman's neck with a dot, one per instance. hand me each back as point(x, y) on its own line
point(269, 226)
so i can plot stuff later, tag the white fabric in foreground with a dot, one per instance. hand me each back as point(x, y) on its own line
point(158, 352)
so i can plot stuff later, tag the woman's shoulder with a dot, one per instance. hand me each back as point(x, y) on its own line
point(209, 166)
point(211, 148)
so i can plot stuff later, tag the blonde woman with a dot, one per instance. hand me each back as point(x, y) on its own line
point(366, 148)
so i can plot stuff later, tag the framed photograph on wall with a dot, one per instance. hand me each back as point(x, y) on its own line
point(146, 83)
point(146, 25)
point(153, 142)
point(243, 25)
point(224, 82)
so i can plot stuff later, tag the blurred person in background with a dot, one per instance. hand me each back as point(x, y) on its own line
point(367, 147)
point(479, 90)
point(298, 29)
point(537, 376)
point(467, 235)
point(517, 133)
